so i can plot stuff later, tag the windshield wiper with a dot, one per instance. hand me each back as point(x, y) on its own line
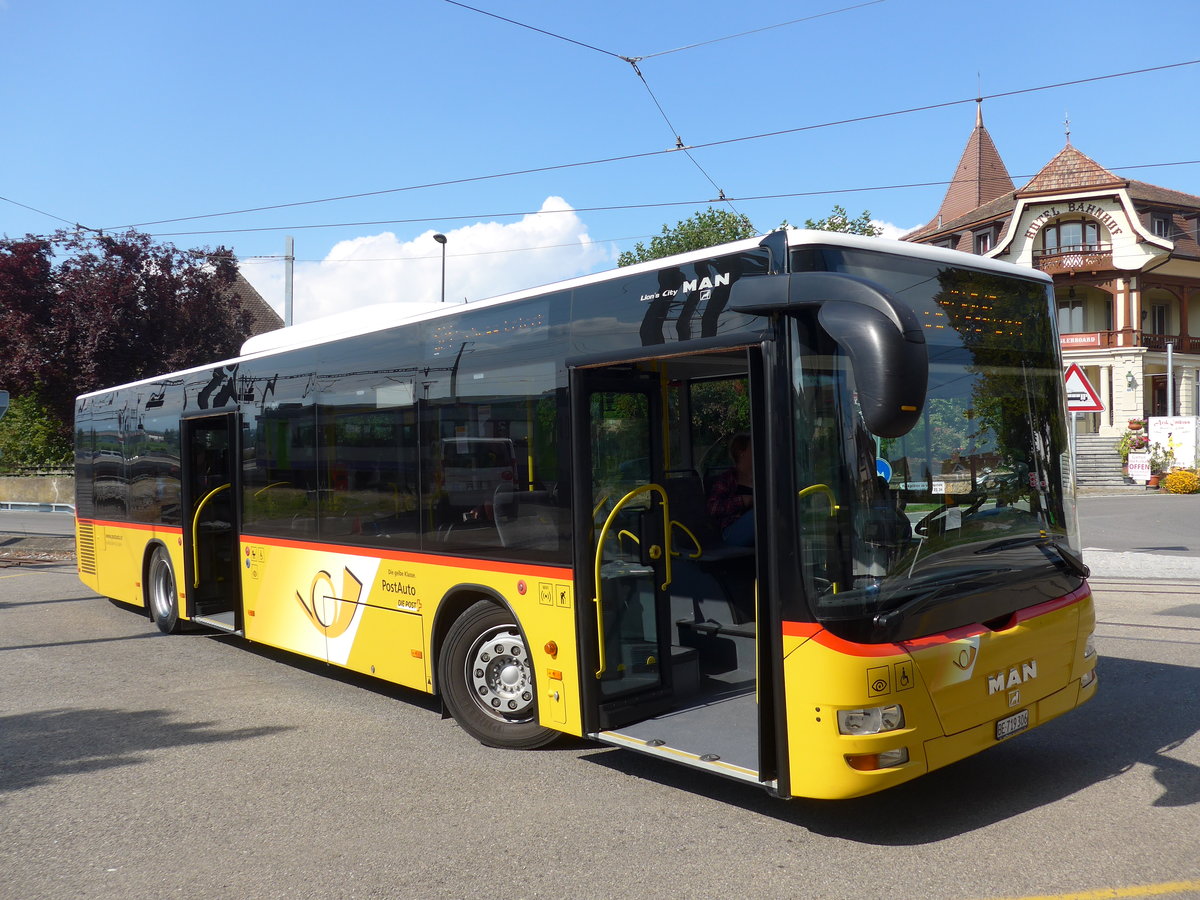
point(933, 591)
point(1068, 559)
point(1043, 542)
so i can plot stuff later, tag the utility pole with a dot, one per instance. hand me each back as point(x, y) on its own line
point(289, 263)
point(1170, 378)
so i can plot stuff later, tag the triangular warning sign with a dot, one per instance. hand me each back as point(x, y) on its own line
point(1081, 396)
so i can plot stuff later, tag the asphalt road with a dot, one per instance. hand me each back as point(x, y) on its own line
point(137, 765)
point(1153, 536)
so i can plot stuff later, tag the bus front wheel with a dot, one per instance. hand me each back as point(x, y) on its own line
point(161, 594)
point(486, 677)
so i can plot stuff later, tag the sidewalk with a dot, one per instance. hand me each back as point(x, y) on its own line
point(35, 547)
point(1141, 565)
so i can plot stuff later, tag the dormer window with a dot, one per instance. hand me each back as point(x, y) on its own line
point(983, 242)
point(1160, 225)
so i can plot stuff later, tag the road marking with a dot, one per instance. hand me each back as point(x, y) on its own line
point(1141, 890)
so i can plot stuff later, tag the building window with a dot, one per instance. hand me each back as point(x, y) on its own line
point(1158, 318)
point(1070, 314)
point(1160, 225)
point(1082, 235)
point(983, 242)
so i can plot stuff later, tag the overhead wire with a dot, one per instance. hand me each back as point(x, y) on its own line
point(634, 60)
point(653, 153)
point(679, 145)
point(276, 257)
point(790, 195)
point(620, 207)
point(484, 12)
point(44, 213)
point(730, 37)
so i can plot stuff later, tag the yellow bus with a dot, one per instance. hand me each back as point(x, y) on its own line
point(885, 576)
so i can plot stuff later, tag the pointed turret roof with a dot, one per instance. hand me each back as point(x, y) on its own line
point(981, 175)
point(1070, 170)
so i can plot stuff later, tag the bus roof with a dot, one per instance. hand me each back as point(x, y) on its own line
point(379, 317)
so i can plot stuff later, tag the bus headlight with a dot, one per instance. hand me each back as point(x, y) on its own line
point(873, 720)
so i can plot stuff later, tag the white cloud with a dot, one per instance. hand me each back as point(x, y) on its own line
point(894, 231)
point(482, 260)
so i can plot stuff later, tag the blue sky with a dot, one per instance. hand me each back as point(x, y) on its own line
point(135, 111)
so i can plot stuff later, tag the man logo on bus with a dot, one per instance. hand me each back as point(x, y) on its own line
point(1013, 677)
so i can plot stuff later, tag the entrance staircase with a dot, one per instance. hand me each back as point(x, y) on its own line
point(1097, 463)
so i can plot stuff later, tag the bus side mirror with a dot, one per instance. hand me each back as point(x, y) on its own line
point(891, 371)
point(878, 332)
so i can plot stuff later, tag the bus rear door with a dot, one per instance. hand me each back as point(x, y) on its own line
point(211, 528)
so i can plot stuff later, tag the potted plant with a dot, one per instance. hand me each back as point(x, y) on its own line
point(1161, 460)
point(1137, 424)
point(1132, 441)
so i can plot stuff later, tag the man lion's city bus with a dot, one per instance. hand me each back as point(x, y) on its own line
point(505, 504)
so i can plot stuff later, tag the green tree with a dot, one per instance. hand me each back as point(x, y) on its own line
point(703, 229)
point(839, 220)
point(30, 435)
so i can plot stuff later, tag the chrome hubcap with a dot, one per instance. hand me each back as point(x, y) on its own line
point(498, 671)
point(162, 589)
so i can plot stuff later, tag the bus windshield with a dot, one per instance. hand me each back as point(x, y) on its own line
point(975, 501)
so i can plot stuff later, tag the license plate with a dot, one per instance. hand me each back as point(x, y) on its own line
point(1012, 724)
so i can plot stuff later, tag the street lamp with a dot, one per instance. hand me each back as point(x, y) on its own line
point(441, 239)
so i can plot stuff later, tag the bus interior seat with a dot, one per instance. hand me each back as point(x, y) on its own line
point(714, 582)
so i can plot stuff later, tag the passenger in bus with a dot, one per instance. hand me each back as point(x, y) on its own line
point(731, 497)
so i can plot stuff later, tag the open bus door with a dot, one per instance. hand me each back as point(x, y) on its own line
point(211, 526)
point(621, 532)
point(678, 658)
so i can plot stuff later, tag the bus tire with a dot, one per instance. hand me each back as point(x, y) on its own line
point(486, 677)
point(162, 596)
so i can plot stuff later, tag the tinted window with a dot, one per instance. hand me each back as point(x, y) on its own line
point(279, 439)
point(85, 447)
point(110, 486)
point(367, 421)
point(154, 456)
point(491, 433)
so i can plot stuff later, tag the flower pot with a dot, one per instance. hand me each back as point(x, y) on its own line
point(1153, 481)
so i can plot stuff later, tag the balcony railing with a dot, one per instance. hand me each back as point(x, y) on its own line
point(1078, 258)
point(1160, 341)
point(1099, 340)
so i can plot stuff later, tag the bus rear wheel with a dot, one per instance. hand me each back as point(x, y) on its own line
point(486, 678)
point(162, 597)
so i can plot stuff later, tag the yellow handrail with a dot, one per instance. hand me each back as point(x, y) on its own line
point(833, 507)
point(196, 529)
point(601, 659)
point(821, 489)
point(699, 550)
point(623, 533)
